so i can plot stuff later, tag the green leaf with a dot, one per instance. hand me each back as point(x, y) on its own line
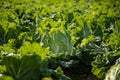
point(58, 41)
point(6, 78)
point(30, 48)
point(22, 68)
point(86, 30)
point(47, 78)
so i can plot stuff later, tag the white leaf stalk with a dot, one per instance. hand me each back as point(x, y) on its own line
point(113, 73)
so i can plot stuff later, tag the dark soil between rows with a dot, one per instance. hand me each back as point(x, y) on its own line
point(74, 76)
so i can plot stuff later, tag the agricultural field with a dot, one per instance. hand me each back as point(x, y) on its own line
point(59, 40)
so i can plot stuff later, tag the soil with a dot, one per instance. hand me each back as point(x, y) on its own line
point(81, 76)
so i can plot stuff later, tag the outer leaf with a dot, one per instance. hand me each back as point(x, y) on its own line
point(24, 68)
point(113, 73)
